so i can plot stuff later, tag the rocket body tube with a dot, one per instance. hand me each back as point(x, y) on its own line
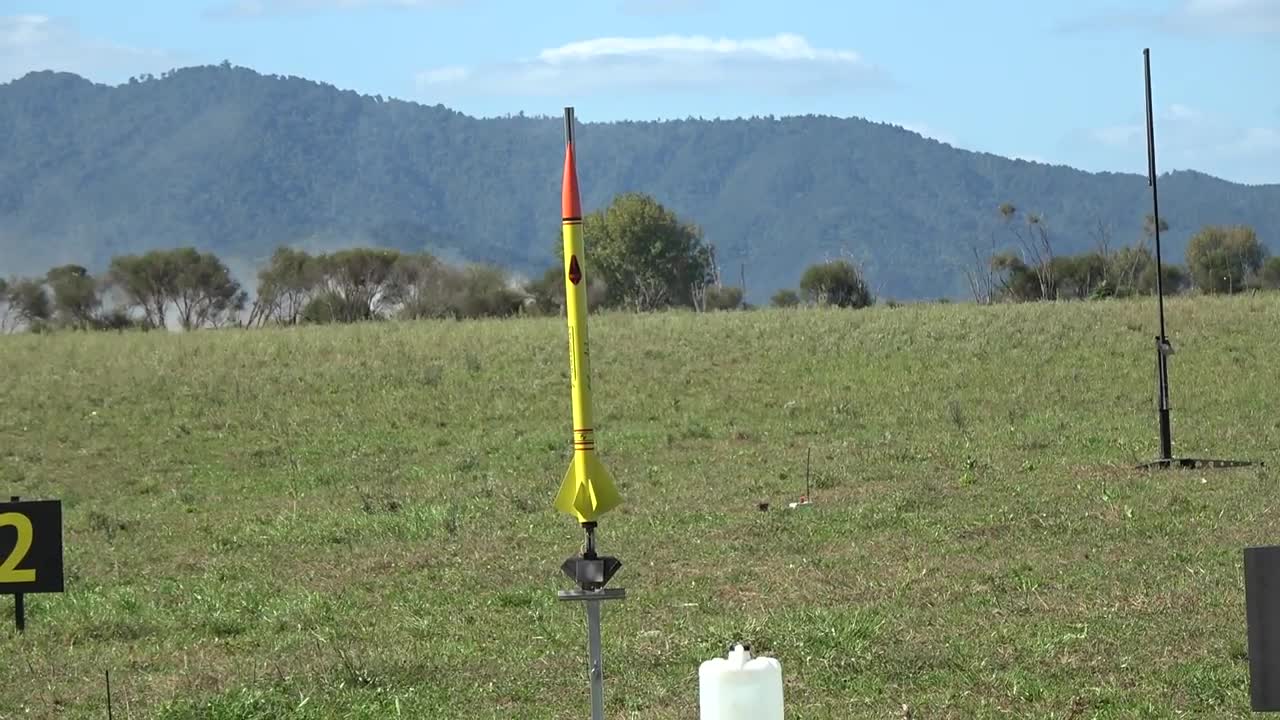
point(587, 490)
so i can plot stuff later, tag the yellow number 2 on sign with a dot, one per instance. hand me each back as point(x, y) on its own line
point(9, 572)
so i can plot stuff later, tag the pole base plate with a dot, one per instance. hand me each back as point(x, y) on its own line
point(1196, 463)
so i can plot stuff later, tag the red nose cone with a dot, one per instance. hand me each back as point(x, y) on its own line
point(570, 208)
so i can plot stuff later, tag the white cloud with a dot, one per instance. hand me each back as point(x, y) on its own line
point(39, 42)
point(1232, 16)
point(260, 8)
point(1193, 17)
point(1191, 138)
point(1116, 135)
point(784, 64)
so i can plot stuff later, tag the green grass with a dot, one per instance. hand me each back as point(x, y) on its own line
point(356, 522)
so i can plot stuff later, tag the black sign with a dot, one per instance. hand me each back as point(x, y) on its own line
point(1261, 603)
point(30, 546)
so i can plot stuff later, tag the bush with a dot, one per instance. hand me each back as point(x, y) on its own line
point(330, 307)
point(486, 291)
point(547, 293)
point(1173, 278)
point(785, 298)
point(724, 298)
point(837, 283)
point(1269, 277)
point(118, 319)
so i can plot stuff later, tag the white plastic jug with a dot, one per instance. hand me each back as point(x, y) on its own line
point(740, 687)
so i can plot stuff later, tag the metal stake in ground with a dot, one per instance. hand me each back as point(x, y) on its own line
point(592, 572)
point(19, 599)
point(1163, 347)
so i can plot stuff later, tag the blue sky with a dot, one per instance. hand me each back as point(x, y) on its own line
point(1057, 82)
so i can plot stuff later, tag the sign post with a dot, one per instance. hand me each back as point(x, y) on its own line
point(30, 551)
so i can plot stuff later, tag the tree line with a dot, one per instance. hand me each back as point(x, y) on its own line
point(1219, 260)
point(642, 258)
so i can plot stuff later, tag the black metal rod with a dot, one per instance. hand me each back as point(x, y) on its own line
point(1151, 180)
point(109, 712)
point(1166, 442)
point(1162, 341)
point(590, 552)
point(19, 600)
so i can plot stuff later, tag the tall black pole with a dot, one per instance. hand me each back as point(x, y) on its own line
point(1163, 348)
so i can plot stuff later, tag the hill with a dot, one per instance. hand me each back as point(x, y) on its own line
point(236, 162)
point(356, 521)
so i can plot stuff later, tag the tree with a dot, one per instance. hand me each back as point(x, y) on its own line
point(362, 279)
point(5, 306)
point(836, 282)
point(980, 274)
point(204, 292)
point(147, 281)
point(1037, 248)
point(425, 287)
point(29, 301)
point(285, 286)
point(647, 256)
point(198, 285)
point(75, 296)
point(1221, 258)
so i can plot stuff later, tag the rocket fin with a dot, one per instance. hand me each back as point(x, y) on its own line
point(590, 499)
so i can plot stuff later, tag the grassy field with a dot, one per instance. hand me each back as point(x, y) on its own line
point(356, 522)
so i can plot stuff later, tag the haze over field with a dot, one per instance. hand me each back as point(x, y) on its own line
point(237, 161)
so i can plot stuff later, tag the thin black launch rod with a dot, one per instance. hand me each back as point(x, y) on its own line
point(1151, 180)
point(1162, 341)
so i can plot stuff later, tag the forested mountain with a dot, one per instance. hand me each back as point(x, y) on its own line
point(236, 162)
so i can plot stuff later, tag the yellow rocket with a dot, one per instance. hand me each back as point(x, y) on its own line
point(588, 490)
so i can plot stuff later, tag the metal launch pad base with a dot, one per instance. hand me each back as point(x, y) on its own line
point(591, 572)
